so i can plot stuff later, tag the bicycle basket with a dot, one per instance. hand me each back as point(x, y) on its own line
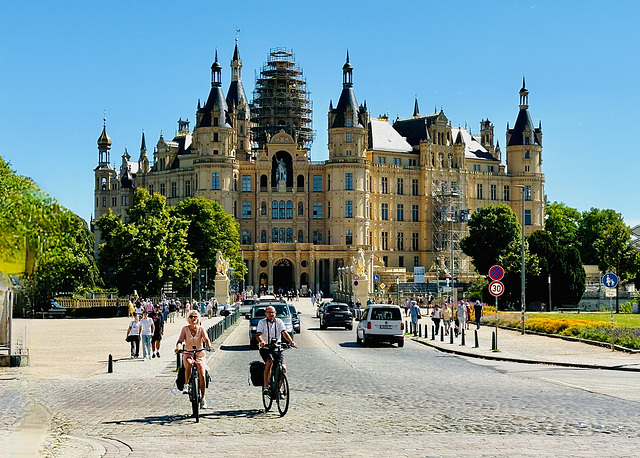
point(256, 372)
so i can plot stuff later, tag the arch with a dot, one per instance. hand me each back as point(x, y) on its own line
point(103, 183)
point(274, 209)
point(300, 182)
point(274, 235)
point(283, 276)
point(284, 158)
point(263, 236)
point(289, 209)
point(300, 208)
point(263, 208)
point(289, 235)
point(300, 236)
point(263, 181)
point(281, 235)
point(281, 213)
point(264, 282)
point(235, 182)
point(304, 279)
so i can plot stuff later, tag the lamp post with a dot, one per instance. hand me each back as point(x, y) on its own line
point(522, 273)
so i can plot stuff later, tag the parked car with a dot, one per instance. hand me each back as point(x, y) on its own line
point(53, 310)
point(246, 305)
point(320, 309)
point(258, 313)
point(336, 314)
point(381, 323)
point(295, 318)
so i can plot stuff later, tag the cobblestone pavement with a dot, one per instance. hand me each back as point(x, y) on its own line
point(346, 400)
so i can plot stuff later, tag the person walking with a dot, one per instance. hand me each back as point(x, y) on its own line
point(461, 310)
point(146, 324)
point(477, 313)
point(415, 315)
point(446, 318)
point(172, 311)
point(436, 318)
point(158, 331)
point(133, 335)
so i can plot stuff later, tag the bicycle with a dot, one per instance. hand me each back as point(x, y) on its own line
point(194, 383)
point(278, 384)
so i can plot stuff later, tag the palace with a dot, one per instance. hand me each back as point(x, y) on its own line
point(402, 191)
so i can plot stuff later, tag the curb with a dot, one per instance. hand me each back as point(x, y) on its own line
point(524, 360)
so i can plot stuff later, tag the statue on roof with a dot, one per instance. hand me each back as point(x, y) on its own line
point(281, 171)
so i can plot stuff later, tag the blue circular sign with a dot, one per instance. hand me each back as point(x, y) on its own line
point(496, 272)
point(610, 280)
point(376, 277)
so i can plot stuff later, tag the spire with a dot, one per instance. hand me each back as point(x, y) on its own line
point(215, 72)
point(104, 139)
point(416, 111)
point(143, 146)
point(347, 73)
point(524, 96)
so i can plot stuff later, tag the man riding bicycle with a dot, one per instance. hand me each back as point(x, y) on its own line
point(273, 329)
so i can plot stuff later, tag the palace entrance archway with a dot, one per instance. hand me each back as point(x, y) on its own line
point(283, 276)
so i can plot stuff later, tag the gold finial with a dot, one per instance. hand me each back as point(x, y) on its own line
point(237, 31)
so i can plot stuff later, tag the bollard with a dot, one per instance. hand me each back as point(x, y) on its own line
point(420, 330)
point(433, 332)
point(477, 345)
point(441, 335)
point(462, 343)
point(415, 330)
point(493, 341)
point(451, 335)
point(110, 368)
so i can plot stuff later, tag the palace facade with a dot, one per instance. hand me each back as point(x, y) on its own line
point(402, 191)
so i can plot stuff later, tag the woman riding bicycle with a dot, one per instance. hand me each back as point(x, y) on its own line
point(194, 335)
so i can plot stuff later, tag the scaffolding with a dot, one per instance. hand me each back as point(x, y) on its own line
point(281, 101)
point(449, 224)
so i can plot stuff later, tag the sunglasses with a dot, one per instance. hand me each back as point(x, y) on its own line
point(192, 316)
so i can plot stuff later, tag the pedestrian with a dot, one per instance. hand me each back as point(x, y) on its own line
point(461, 311)
point(146, 324)
point(407, 306)
point(415, 315)
point(172, 311)
point(139, 308)
point(133, 335)
point(165, 310)
point(446, 318)
point(209, 309)
point(477, 313)
point(467, 314)
point(215, 307)
point(358, 309)
point(435, 317)
point(132, 309)
point(158, 331)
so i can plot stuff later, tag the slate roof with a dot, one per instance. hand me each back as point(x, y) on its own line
point(347, 100)
point(383, 137)
point(415, 130)
point(523, 122)
point(215, 99)
point(472, 147)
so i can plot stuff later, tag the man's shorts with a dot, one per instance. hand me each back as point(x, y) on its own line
point(156, 338)
point(267, 355)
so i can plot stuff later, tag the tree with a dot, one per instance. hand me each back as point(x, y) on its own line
point(56, 243)
point(615, 253)
point(493, 231)
point(147, 251)
point(562, 223)
point(564, 266)
point(211, 229)
point(591, 229)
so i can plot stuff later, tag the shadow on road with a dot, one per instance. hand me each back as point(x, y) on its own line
point(173, 419)
point(235, 347)
point(350, 344)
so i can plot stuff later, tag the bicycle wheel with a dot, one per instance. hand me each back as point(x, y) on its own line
point(267, 400)
point(194, 394)
point(283, 394)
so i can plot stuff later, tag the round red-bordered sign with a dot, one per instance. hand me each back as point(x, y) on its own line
point(496, 272)
point(496, 288)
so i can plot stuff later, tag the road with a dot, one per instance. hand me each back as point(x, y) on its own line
point(345, 400)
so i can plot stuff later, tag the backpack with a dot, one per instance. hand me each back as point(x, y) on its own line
point(256, 372)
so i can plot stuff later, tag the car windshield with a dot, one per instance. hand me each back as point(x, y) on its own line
point(337, 308)
point(386, 314)
point(281, 310)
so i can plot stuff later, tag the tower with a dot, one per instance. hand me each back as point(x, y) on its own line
point(103, 173)
point(524, 141)
point(239, 107)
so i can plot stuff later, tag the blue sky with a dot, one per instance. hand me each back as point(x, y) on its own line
point(147, 63)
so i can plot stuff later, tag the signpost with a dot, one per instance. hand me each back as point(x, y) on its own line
point(376, 277)
point(610, 281)
point(496, 288)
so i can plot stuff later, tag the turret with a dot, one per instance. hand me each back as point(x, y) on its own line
point(104, 145)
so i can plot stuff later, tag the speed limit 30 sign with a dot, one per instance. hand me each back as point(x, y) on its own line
point(496, 288)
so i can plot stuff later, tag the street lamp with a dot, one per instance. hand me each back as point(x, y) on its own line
point(522, 285)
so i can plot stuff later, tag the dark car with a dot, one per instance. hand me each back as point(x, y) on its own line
point(295, 318)
point(320, 309)
point(258, 313)
point(53, 310)
point(336, 314)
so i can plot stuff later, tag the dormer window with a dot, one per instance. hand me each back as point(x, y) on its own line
point(216, 123)
point(348, 138)
point(526, 140)
point(348, 122)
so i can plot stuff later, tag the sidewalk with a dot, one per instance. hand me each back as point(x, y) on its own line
point(532, 349)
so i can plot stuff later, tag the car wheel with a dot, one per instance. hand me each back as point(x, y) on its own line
point(400, 343)
point(358, 339)
point(323, 326)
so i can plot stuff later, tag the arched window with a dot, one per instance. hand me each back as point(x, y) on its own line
point(235, 182)
point(289, 235)
point(104, 184)
point(281, 239)
point(263, 181)
point(450, 160)
point(300, 208)
point(274, 209)
point(263, 237)
point(274, 235)
point(263, 208)
point(289, 209)
point(432, 159)
point(300, 182)
point(281, 214)
point(441, 159)
point(300, 237)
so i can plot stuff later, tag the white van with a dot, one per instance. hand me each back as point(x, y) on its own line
point(381, 323)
